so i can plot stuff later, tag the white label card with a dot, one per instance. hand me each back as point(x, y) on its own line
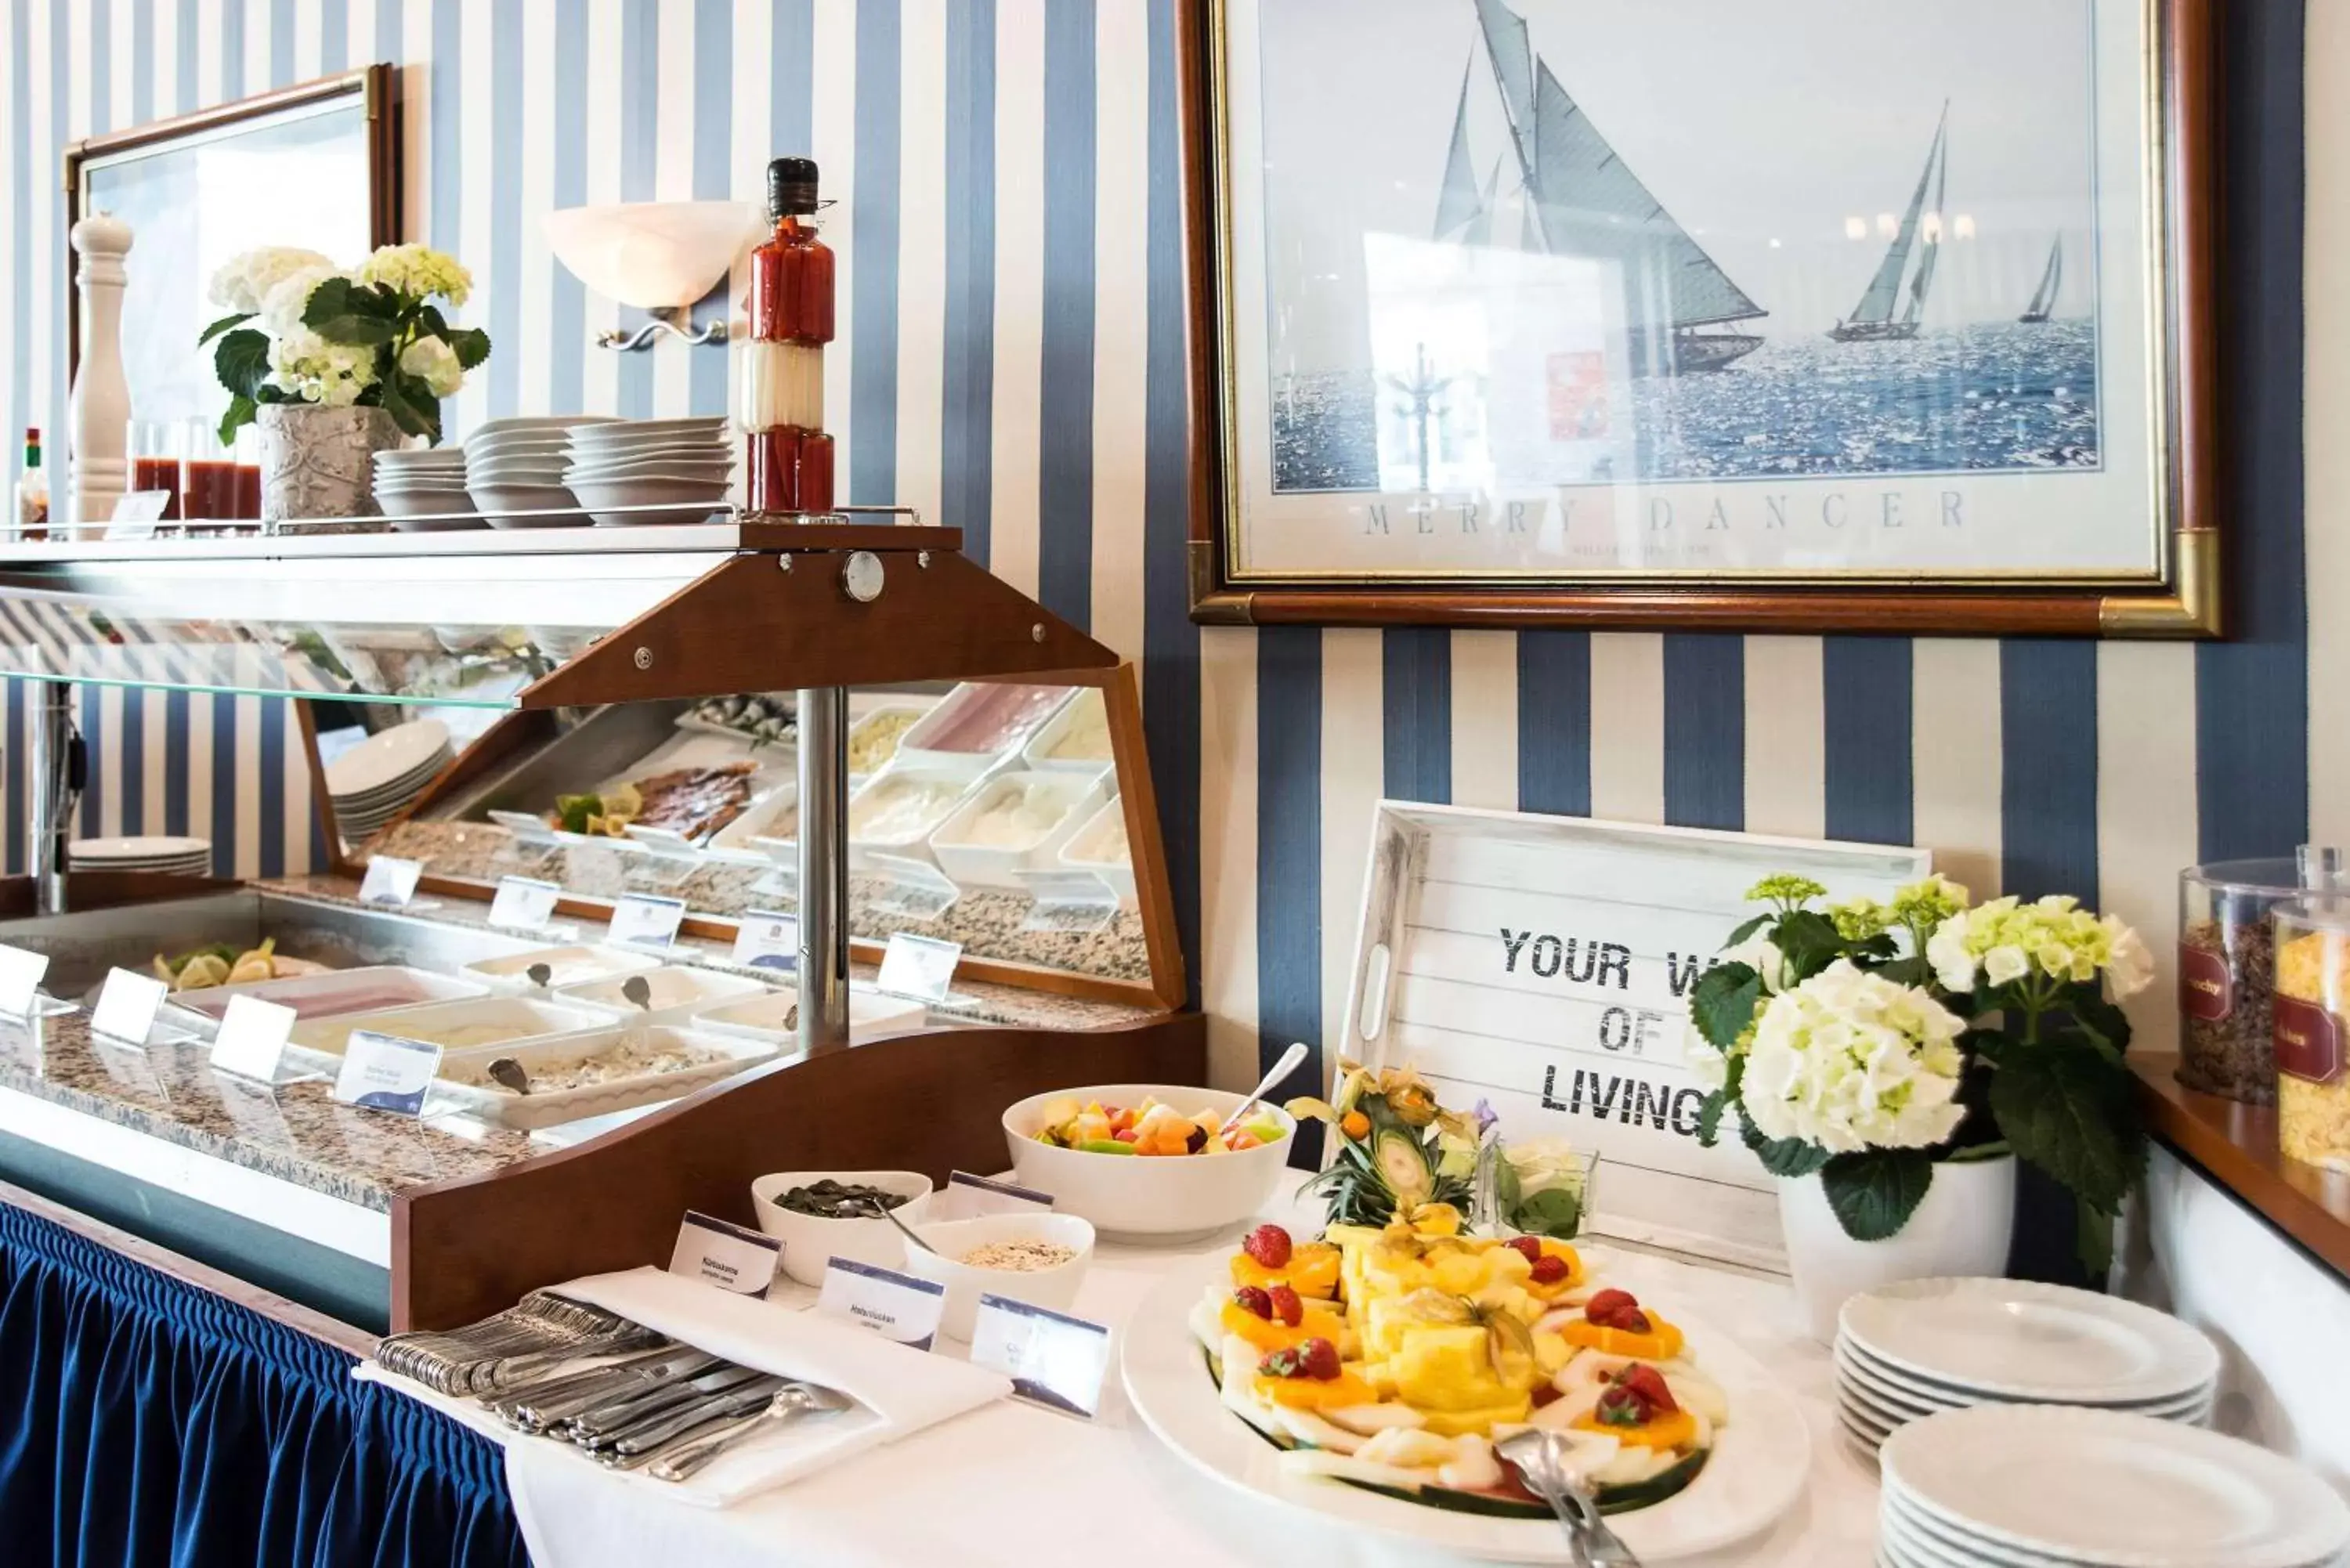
point(524, 903)
point(137, 513)
point(968, 1197)
point(20, 979)
point(251, 1037)
point(126, 1006)
point(920, 968)
point(893, 1305)
point(1053, 1360)
point(731, 1257)
point(768, 941)
point(386, 1073)
point(645, 921)
point(391, 882)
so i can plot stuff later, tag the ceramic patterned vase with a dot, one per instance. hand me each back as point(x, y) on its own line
point(1961, 1229)
point(318, 462)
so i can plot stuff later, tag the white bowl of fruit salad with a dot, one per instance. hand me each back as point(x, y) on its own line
point(1142, 1161)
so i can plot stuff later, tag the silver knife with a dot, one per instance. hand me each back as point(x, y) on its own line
point(638, 1442)
point(545, 1411)
point(597, 1427)
point(563, 1380)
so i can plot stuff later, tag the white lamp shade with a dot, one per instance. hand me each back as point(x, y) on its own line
point(655, 255)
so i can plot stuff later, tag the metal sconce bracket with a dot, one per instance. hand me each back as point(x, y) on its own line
point(676, 321)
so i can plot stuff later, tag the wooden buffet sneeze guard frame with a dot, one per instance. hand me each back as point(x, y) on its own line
point(2187, 602)
point(2236, 1146)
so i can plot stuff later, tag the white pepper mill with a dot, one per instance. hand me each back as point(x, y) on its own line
point(97, 434)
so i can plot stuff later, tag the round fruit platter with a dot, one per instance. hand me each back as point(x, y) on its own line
point(1365, 1374)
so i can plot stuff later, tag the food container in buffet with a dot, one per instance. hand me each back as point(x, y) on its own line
point(572, 965)
point(762, 833)
point(979, 725)
point(374, 988)
point(675, 991)
point(1054, 1288)
point(2312, 998)
point(593, 1073)
point(774, 1016)
point(1100, 846)
point(1013, 823)
point(2227, 974)
point(1154, 1197)
point(1075, 740)
point(874, 738)
point(812, 1240)
point(899, 809)
point(456, 1025)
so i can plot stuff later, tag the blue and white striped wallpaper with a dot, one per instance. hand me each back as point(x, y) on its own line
point(1013, 364)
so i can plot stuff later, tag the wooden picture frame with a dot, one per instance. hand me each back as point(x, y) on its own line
point(2175, 594)
point(370, 88)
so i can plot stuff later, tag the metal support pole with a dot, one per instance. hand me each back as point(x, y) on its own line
point(824, 869)
point(56, 781)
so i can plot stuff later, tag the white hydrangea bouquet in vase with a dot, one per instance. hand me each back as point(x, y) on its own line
point(335, 366)
point(1889, 1062)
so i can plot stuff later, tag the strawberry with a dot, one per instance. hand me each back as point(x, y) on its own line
point(1286, 1306)
point(1253, 1299)
point(1319, 1359)
point(1618, 1309)
point(1269, 1245)
point(1548, 1270)
point(1526, 1247)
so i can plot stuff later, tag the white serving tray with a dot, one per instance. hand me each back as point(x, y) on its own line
point(1587, 1042)
point(1037, 755)
point(693, 987)
point(992, 866)
point(510, 975)
point(918, 845)
point(768, 1016)
point(536, 1017)
point(201, 1009)
point(913, 754)
point(1118, 874)
point(504, 1108)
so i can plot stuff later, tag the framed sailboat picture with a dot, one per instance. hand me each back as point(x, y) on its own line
point(1722, 313)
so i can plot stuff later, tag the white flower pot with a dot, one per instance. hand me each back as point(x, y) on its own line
point(319, 462)
point(1963, 1228)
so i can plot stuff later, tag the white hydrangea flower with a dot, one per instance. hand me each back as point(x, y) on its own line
point(1707, 1064)
point(1758, 953)
point(282, 304)
point(243, 281)
point(2007, 940)
point(1851, 1061)
point(308, 367)
point(2129, 967)
point(419, 271)
point(431, 361)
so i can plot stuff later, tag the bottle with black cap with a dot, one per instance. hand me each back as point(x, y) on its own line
point(788, 465)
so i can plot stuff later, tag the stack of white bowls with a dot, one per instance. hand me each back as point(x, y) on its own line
point(149, 852)
point(2038, 1486)
point(370, 784)
point(423, 488)
point(1914, 1349)
point(514, 468)
point(681, 466)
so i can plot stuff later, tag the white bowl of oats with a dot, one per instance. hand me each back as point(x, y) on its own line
point(1038, 1257)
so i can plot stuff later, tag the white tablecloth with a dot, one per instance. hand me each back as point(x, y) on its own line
point(1014, 1487)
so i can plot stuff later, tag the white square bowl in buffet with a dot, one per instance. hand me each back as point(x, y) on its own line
point(773, 1015)
point(1100, 846)
point(900, 808)
point(1011, 823)
point(675, 991)
point(566, 965)
point(372, 988)
point(466, 1025)
point(979, 726)
point(765, 831)
point(874, 738)
point(465, 1085)
point(1075, 739)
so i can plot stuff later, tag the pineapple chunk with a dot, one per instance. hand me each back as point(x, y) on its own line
point(1447, 1368)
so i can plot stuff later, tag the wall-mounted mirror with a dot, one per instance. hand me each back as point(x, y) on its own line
point(316, 166)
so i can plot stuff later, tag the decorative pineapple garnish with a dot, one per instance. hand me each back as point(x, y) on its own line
point(1398, 1150)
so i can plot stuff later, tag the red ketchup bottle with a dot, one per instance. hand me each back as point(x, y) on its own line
point(789, 460)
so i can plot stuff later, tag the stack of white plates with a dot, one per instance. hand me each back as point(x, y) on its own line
point(420, 488)
point(515, 466)
point(683, 466)
point(371, 781)
point(1910, 1350)
point(2036, 1486)
point(174, 857)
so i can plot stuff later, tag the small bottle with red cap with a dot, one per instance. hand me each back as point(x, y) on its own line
point(789, 458)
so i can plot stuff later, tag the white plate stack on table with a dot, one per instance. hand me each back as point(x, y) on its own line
point(171, 857)
point(2038, 1486)
point(684, 467)
point(1919, 1347)
point(513, 469)
point(369, 784)
point(421, 489)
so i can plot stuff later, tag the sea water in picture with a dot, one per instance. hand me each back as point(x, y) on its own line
point(1595, 286)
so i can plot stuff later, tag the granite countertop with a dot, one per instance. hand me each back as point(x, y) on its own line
point(298, 1132)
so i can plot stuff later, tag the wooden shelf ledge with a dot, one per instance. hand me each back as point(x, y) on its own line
point(2237, 1145)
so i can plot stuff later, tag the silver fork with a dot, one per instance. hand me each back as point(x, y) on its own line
point(1590, 1543)
point(682, 1460)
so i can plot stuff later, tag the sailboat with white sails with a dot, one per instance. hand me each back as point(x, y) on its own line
point(1873, 320)
point(2052, 282)
point(1579, 198)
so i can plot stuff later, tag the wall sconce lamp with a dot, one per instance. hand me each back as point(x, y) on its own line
point(658, 256)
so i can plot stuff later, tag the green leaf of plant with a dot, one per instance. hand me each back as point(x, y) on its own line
point(240, 414)
point(1783, 1156)
point(1709, 1117)
point(1748, 929)
point(341, 311)
point(241, 362)
point(1723, 1003)
point(222, 325)
point(1554, 1211)
point(430, 322)
point(1874, 1192)
point(2072, 1112)
point(1809, 940)
point(2105, 1025)
point(2092, 1241)
point(472, 346)
point(412, 405)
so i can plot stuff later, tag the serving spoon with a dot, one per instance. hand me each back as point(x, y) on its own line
point(875, 1205)
point(509, 1073)
point(1288, 1064)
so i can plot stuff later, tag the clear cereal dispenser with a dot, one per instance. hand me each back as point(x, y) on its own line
point(2227, 972)
point(2313, 994)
